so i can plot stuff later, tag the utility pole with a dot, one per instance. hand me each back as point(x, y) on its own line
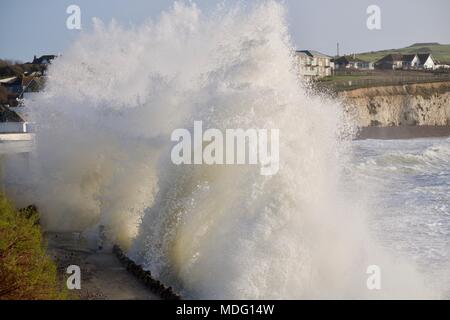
point(337, 47)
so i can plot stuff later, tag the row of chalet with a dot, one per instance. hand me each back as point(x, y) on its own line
point(423, 61)
point(44, 60)
point(313, 64)
point(419, 61)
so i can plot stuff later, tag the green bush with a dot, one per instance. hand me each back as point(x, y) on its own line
point(26, 272)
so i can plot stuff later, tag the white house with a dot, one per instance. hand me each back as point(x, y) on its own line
point(426, 61)
point(407, 61)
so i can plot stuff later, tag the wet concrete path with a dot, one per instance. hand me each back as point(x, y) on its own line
point(103, 277)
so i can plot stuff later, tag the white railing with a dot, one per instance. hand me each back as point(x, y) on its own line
point(14, 127)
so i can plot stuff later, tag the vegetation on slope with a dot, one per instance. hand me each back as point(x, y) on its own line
point(16, 69)
point(440, 51)
point(26, 272)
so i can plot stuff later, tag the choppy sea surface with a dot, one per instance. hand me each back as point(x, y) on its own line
point(411, 180)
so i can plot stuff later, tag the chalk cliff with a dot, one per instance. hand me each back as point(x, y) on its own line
point(416, 104)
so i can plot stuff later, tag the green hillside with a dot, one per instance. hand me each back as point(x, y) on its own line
point(440, 52)
point(26, 272)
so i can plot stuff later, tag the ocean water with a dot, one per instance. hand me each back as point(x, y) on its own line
point(410, 181)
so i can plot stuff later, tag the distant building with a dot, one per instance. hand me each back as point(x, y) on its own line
point(351, 62)
point(390, 62)
point(410, 61)
point(12, 84)
point(46, 59)
point(313, 64)
point(21, 84)
point(443, 65)
point(426, 61)
point(20, 87)
point(407, 61)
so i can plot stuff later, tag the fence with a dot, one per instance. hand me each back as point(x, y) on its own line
point(392, 80)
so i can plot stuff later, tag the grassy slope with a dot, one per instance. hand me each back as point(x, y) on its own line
point(26, 272)
point(440, 52)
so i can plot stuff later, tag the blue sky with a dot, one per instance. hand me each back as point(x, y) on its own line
point(39, 27)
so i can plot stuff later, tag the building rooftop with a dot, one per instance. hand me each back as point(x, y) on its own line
point(44, 59)
point(313, 53)
point(423, 57)
point(409, 57)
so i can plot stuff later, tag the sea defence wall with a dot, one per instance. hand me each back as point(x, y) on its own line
point(155, 286)
point(426, 104)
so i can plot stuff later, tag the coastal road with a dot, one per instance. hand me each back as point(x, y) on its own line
point(102, 275)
